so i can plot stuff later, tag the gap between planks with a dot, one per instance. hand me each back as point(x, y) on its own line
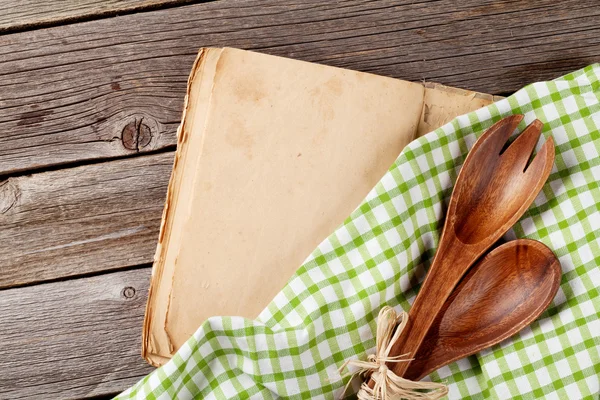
point(21, 15)
point(75, 339)
point(114, 87)
point(81, 220)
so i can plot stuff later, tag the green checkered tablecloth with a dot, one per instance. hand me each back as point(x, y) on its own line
point(327, 312)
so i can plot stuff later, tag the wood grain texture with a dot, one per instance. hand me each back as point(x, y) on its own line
point(73, 93)
point(22, 14)
point(80, 220)
point(73, 339)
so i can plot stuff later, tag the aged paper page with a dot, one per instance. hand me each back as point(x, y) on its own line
point(290, 148)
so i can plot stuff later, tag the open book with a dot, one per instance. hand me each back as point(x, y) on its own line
point(273, 154)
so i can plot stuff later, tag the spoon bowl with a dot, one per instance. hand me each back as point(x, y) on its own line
point(504, 292)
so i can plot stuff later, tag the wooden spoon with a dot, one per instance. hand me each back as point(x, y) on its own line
point(504, 292)
point(493, 189)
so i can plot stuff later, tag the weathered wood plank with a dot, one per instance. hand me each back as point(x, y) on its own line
point(81, 220)
point(73, 339)
point(72, 93)
point(21, 14)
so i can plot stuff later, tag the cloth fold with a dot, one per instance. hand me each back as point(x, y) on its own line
point(326, 314)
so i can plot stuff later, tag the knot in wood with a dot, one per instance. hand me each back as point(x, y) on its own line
point(128, 292)
point(136, 135)
point(9, 194)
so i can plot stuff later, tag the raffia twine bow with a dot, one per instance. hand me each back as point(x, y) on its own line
point(388, 385)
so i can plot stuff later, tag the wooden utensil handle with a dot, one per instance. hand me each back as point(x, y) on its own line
point(423, 312)
point(446, 270)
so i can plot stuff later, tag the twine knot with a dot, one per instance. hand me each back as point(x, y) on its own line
point(383, 369)
point(388, 385)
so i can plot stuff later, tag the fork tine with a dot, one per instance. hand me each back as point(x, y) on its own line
point(494, 139)
point(519, 152)
point(540, 167)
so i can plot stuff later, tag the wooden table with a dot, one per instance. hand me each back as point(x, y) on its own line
point(90, 98)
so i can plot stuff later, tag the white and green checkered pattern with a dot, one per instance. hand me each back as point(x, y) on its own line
point(326, 314)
